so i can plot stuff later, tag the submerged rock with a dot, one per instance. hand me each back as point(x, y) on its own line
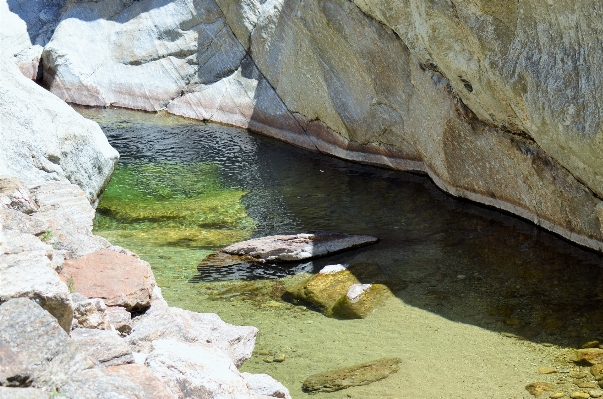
point(288, 248)
point(265, 385)
point(361, 374)
point(119, 279)
point(337, 291)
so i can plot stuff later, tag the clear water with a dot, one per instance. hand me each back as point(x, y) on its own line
point(467, 280)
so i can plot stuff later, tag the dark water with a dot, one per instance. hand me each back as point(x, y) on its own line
point(451, 258)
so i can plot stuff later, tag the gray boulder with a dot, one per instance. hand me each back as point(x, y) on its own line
point(196, 370)
point(104, 346)
point(15, 195)
point(13, 369)
point(44, 139)
point(162, 322)
point(98, 383)
point(52, 357)
point(120, 319)
point(27, 271)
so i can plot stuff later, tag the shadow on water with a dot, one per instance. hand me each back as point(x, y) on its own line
point(455, 259)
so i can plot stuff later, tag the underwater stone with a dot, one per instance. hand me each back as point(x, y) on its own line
point(361, 374)
point(360, 300)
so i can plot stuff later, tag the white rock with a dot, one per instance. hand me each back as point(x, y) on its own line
point(265, 385)
point(196, 370)
point(330, 269)
point(356, 291)
point(44, 139)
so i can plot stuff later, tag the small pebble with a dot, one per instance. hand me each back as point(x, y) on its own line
point(268, 359)
point(461, 277)
point(591, 344)
point(557, 395)
point(546, 370)
point(263, 352)
point(579, 395)
point(595, 393)
point(577, 374)
point(281, 358)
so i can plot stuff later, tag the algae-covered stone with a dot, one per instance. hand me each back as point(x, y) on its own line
point(590, 356)
point(323, 290)
point(360, 300)
point(539, 388)
point(361, 374)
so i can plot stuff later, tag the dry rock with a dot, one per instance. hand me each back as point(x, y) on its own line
point(265, 385)
point(118, 279)
point(13, 370)
point(15, 195)
point(23, 393)
point(98, 383)
point(25, 255)
point(285, 248)
point(196, 370)
point(152, 386)
point(44, 139)
point(43, 345)
point(120, 319)
point(104, 346)
point(89, 313)
point(163, 322)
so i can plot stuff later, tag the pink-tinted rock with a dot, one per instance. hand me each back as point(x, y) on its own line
point(118, 279)
point(152, 386)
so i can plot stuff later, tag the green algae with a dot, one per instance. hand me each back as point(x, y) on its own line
point(172, 214)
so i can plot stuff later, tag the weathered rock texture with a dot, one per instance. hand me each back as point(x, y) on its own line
point(496, 102)
point(118, 279)
point(44, 139)
point(104, 346)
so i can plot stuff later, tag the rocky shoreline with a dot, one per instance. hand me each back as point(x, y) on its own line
point(79, 317)
point(130, 343)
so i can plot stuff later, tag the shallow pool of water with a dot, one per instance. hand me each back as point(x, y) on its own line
point(482, 299)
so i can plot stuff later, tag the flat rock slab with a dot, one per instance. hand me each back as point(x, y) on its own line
point(104, 346)
point(288, 248)
point(118, 279)
point(361, 374)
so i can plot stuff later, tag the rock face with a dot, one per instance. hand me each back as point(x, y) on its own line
point(288, 248)
point(89, 313)
point(44, 139)
point(118, 279)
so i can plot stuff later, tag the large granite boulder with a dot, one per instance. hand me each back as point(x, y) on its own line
point(44, 139)
point(50, 355)
point(163, 322)
point(104, 346)
point(27, 271)
point(196, 370)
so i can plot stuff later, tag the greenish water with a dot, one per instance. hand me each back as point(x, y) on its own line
point(461, 274)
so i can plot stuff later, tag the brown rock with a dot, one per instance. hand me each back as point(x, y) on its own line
point(539, 388)
point(152, 386)
point(590, 356)
point(118, 279)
